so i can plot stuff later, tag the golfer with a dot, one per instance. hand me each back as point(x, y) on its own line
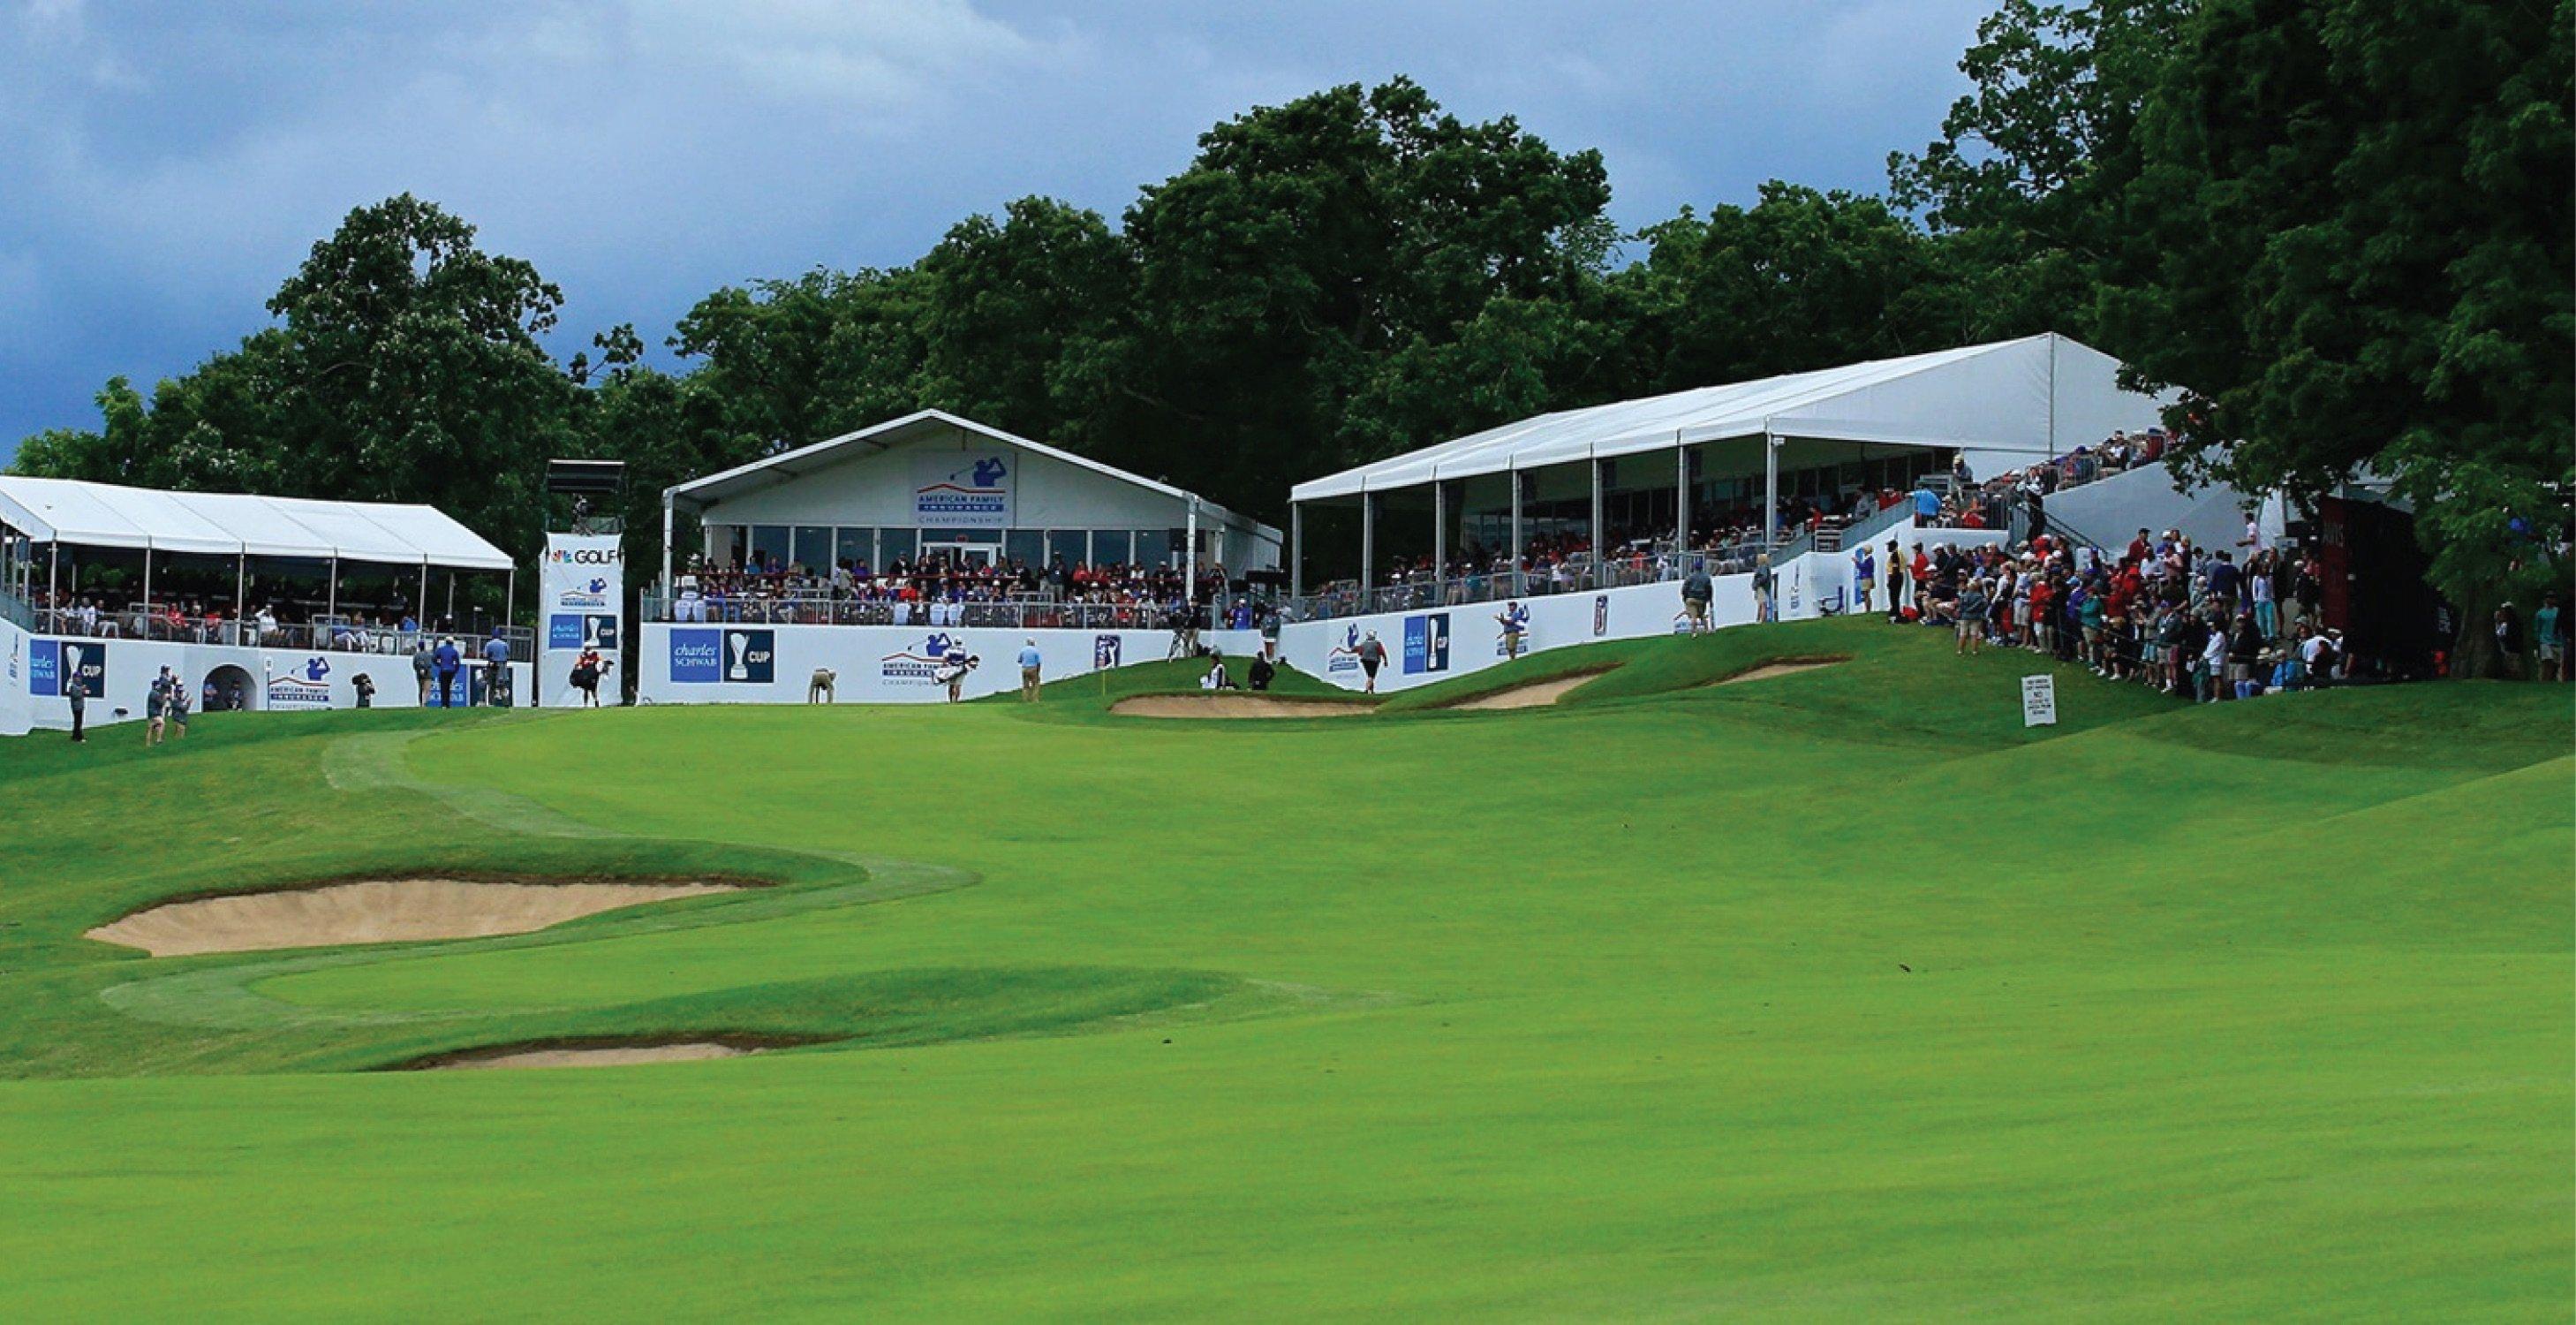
point(179, 701)
point(420, 662)
point(446, 662)
point(1030, 661)
point(1864, 577)
point(1372, 657)
point(1515, 622)
point(1762, 581)
point(1697, 592)
point(77, 691)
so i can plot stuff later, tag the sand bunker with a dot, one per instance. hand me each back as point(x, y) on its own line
point(1536, 694)
point(620, 1055)
point(1784, 667)
point(1232, 705)
point(377, 911)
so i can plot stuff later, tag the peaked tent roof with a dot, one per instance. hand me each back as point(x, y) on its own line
point(700, 493)
point(2039, 395)
point(51, 510)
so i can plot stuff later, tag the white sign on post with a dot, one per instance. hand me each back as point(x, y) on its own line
point(2039, 701)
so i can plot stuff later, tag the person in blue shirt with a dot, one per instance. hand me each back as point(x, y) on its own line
point(1030, 661)
point(496, 679)
point(1515, 622)
point(1864, 577)
point(445, 663)
point(1927, 504)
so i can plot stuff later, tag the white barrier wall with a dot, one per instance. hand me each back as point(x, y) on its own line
point(1435, 643)
point(581, 584)
point(17, 709)
point(120, 675)
point(743, 664)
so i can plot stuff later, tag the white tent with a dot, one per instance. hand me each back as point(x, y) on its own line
point(82, 514)
point(2041, 395)
point(2036, 397)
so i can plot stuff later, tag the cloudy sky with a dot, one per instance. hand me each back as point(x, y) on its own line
point(164, 166)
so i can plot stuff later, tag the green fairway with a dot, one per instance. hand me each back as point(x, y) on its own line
point(1830, 995)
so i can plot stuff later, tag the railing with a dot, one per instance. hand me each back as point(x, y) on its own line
point(817, 610)
point(1575, 574)
point(313, 637)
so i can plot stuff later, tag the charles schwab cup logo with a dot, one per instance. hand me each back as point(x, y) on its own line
point(918, 666)
point(724, 657)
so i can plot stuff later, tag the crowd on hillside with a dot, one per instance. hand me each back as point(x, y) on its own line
point(2202, 623)
point(938, 591)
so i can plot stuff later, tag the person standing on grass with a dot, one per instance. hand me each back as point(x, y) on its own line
point(1372, 657)
point(1895, 583)
point(179, 701)
point(1697, 592)
point(1762, 584)
point(156, 703)
point(420, 666)
point(1972, 617)
point(1030, 663)
point(446, 662)
point(76, 691)
point(1864, 577)
point(2549, 636)
point(1514, 620)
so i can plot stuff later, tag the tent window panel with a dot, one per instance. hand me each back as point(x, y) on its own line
point(1108, 547)
point(1025, 546)
point(769, 546)
point(1154, 547)
point(813, 549)
point(856, 547)
point(1070, 546)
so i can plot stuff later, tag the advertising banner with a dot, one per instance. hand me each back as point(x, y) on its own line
point(962, 489)
point(581, 587)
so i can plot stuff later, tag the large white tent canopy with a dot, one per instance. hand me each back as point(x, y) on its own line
point(2041, 395)
point(235, 524)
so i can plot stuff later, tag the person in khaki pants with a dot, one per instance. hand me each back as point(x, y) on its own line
point(1030, 663)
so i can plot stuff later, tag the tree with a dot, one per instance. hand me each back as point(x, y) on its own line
point(2361, 216)
point(1012, 312)
point(2027, 180)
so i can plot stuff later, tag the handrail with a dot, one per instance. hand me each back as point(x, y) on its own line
point(318, 637)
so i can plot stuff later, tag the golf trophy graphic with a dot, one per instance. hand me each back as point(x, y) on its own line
point(735, 643)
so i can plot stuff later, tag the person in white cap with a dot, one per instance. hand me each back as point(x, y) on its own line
point(1030, 661)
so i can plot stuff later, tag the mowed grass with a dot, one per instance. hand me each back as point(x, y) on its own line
point(1836, 995)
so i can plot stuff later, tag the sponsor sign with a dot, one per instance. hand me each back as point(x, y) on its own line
point(1426, 644)
point(1104, 651)
point(2039, 701)
point(305, 686)
point(962, 490)
point(576, 631)
point(51, 662)
point(1344, 658)
point(920, 665)
point(750, 657)
point(697, 657)
point(1517, 614)
point(1600, 615)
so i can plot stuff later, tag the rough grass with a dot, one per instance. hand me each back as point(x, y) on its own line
point(1838, 996)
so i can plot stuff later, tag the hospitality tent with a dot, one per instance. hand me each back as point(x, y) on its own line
point(2038, 396)
point(240, 525)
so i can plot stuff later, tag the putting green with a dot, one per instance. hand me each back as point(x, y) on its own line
point(1838, 995)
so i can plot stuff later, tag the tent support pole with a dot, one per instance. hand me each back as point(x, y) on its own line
point(1770, 490)
point(53, 574)
point(147, 589)
point(666, 546)
point(1190, 559)
point(241, 591)
point(1515, 559)
point(421, 613)
point(1296, 550)
point(1600, 552)
point(1368, 544)
point(1681, 495)
point(1439, 530)
point(331, 596)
